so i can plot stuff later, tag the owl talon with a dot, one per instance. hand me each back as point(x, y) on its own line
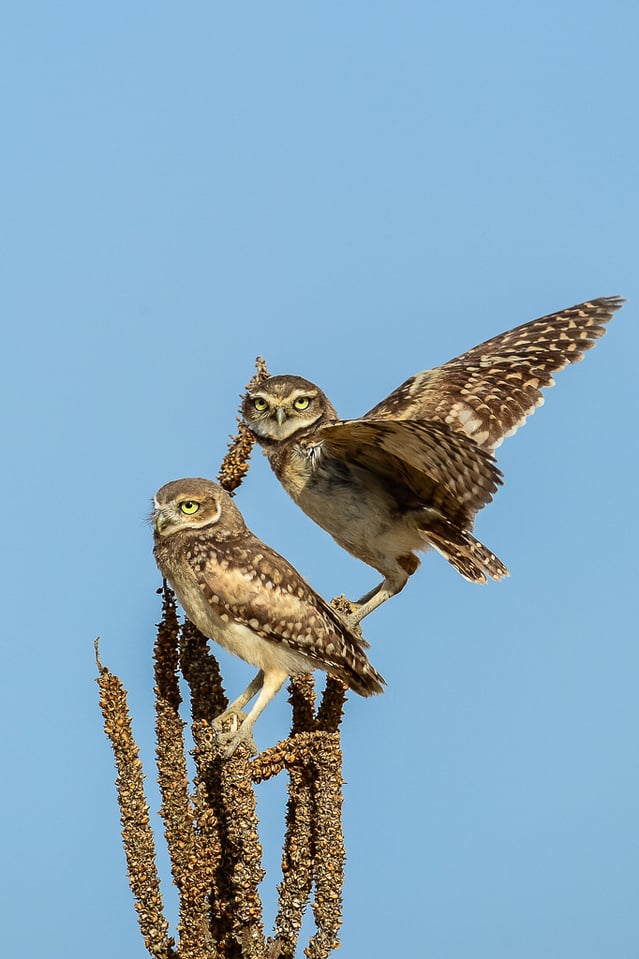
point(232, 728)
point(349, 612)
point(230, 740)
point(228, 722)
point(353, 621)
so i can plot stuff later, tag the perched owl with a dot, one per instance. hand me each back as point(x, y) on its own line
point(413, 472)
point(249, 599)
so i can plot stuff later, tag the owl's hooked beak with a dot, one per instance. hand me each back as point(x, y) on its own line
point(280, 415)
point(161, 521)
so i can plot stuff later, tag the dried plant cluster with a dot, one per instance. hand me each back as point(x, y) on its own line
point(211, 825)
point(235, 464)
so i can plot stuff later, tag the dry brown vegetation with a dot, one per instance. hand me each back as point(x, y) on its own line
point(210, 822)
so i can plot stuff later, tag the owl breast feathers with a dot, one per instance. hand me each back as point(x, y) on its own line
point(413, 472)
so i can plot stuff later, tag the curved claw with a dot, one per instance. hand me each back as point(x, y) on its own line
point(232, 728)
point(229, 721)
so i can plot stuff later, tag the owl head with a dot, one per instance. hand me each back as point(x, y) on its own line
point(194, 503)
point(284, 405)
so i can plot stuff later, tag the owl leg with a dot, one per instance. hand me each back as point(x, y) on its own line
point(238, 704)
point(390, 586)
point(268, 684)
point(368, 596)
point(229, 722)
point(371, 601)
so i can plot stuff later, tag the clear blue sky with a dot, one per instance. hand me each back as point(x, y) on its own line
point(358, 191)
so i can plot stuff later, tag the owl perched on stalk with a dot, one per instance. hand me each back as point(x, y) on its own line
point(249, 599)
point(413, 472)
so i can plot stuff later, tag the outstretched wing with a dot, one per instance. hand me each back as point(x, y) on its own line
point(489, 391)
point(423, 463)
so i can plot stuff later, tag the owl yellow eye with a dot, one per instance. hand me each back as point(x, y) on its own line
point(260, 404)
point(189, 507)
point(301, 402)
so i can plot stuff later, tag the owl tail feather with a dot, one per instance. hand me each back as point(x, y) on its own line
point(359, 675)
point(469, 557)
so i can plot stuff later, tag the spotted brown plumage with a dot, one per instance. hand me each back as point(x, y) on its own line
point(249, 599)
point(413, 472)
point(489, 391)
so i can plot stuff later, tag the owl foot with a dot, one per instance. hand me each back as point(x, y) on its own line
point(232, 728)
point(347, 610)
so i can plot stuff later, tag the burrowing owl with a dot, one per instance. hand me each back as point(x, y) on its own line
point(413, 472)
point(249, 599)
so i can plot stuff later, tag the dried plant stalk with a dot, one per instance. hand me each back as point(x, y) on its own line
point(328, 863)
point(212, 831)
point(242, 855)
point(177, 811)
point(202, 673)
point(211, 824)
point(236, 462)
point(329, 715)
point(137, 835)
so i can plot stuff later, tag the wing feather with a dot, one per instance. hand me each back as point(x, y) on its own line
point(262, 591)
point(489, 391)
point(422, 462)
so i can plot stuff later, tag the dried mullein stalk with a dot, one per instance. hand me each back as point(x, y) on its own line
point(235, 464)
point(137, 835)
point(209, 804)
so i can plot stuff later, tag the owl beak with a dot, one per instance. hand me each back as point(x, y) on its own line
point(161, 521)
point(280, 414)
